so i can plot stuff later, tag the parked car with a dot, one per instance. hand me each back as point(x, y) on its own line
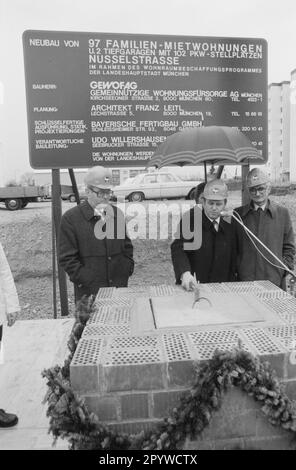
point(68, 193)
point(156, 185)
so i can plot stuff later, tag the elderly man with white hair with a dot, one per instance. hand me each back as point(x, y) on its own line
point(271, 223)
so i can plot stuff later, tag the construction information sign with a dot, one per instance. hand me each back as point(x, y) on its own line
point(111, 99)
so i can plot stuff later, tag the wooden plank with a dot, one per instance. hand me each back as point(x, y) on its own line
point(29, 347)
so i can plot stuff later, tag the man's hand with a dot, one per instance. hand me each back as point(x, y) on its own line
point(188, 281)
point(11, 318)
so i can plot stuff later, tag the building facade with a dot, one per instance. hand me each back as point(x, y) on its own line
point(281, 164)
point(293, 127)
point(279, 131)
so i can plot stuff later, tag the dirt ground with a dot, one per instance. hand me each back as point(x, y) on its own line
point(26, 238)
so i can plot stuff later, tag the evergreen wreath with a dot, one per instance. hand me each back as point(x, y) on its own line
point(69, 417)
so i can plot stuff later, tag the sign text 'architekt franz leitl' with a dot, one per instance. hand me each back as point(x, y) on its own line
point(111, 99)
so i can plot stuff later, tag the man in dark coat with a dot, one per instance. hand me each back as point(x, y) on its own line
point(91, 254)
point(271, 223)
point(215, 260)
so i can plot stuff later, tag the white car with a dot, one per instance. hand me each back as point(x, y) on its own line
point(155, 186)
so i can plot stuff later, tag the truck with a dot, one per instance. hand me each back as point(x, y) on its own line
point(18, 197)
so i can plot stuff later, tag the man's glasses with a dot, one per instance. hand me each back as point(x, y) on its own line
point(257, 189)
point(101, 192)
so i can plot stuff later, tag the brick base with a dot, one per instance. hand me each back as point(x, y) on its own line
point(240, 424)
point(132, 373)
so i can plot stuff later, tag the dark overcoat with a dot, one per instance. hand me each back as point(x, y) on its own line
point(274, 228)
point(215, 260)
point(90, 262)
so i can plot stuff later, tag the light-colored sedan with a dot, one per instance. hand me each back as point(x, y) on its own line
point(156, 185)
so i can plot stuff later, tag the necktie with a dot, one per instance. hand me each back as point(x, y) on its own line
point(258, 214)
point(215, 225)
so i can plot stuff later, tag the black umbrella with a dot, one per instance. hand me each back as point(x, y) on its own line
point(216, 144)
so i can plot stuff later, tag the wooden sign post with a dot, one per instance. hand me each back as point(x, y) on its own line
point(56, 221)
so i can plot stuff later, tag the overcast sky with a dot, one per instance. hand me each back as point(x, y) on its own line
point(273, 21)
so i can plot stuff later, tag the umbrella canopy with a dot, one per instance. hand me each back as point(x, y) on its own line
point(216, 144)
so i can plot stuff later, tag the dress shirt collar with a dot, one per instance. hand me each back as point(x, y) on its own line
point(270, 208)
point(212, 220)
point(256, 207)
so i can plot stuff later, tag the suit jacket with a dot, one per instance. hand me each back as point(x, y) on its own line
point(215, 260)
point(90, 262)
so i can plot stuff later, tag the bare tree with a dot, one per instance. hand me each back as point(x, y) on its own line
point(27, 179)
point(11, 183)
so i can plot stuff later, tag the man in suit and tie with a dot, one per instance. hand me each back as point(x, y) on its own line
point(215, 259)
point(271, 223)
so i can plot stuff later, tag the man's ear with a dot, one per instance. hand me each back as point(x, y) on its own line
point(268, 188)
